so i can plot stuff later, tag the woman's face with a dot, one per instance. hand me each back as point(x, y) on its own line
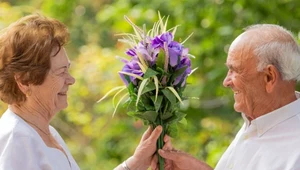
point(52, 94)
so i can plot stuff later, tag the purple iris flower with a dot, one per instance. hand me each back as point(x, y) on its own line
point(133, 68)
point(148, 53)
point(144, 51)
point(132, 53)
point(175, 52)
point(185, 61)
point(174, 48)
point(158, 42)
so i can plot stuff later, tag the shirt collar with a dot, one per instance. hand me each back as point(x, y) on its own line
point(271, 119)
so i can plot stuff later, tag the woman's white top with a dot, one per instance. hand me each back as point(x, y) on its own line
point(22, 148)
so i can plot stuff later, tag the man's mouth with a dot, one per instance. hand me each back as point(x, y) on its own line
point(236, 92)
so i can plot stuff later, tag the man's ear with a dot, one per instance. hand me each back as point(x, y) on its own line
point(271, 77)
point(23, 87)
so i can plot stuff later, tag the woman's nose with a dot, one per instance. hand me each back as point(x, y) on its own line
point(70, 80)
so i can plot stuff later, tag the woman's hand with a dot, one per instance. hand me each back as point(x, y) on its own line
point(144, 152)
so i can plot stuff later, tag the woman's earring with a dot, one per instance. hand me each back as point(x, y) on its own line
point(28, 93)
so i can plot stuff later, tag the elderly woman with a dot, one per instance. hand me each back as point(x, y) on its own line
point(34, 82)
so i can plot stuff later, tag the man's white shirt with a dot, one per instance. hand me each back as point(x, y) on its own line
point(270, 142)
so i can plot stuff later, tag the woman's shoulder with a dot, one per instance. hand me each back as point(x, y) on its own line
point(12, 126)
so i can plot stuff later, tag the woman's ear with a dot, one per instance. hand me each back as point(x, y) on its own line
point(271, 77)
point(23, 87)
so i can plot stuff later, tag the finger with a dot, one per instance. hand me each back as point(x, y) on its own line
point(168, 143)
point(167, 138)
point(154, 162)
point(168, 164)
point(167, 147)
point(147, 133)
point(155, 134)
point(168, 154)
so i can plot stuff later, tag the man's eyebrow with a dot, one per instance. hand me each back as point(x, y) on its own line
point(230, 66)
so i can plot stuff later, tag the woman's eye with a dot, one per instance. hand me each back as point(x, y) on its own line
point(65, 71)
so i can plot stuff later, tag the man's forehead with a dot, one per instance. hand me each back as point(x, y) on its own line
point(237, 41)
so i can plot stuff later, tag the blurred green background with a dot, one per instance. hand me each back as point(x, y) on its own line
point(99, 142)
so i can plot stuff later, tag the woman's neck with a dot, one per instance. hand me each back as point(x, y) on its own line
point(39, 119)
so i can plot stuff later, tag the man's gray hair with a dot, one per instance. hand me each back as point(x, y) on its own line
point(277, 46)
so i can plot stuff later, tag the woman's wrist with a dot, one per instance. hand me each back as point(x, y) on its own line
point(134, 164)
point(125, 166)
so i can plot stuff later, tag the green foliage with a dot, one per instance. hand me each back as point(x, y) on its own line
point(95, 139)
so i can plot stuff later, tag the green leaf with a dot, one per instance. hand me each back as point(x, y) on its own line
point(142, 85)
point(160, 60)
point(175, 93)
point(172, 130)
point(150, 73)
point(130, 74)
point(187, 38)
point(178, 73)
point(148, 87)
point(158, 102)
point(138, 31)
point(131, 89)
point(175, 118)
point(183, 121)
point(156, 87)
point(147, 103)
point(130, 104)
point(180, 115)
point(121, 99)
point(171, 120)
point(110, 91)
point(148, 115)
point(170, 96)
point(166, 115)
point(117, 95)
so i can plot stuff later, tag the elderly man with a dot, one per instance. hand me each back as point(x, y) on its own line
point(263, 68)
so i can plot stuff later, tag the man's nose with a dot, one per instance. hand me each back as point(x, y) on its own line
point(227, 81)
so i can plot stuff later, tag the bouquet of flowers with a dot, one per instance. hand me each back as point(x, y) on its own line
point(155, 77)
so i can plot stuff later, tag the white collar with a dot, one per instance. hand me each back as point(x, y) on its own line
point(271, 119)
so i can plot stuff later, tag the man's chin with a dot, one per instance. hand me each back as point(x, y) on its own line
point(237, 107)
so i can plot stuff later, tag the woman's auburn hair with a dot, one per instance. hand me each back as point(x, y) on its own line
point(25, 50)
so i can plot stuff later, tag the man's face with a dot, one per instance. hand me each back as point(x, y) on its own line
point(244, 79)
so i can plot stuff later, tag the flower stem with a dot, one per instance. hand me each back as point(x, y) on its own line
point(160, 143)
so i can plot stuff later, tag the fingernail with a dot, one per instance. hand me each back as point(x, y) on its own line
point(162, 151)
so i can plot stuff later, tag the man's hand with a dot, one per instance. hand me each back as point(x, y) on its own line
point(178, 160)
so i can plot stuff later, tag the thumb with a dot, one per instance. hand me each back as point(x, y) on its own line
point(168, 154)
point(155, 134)
point(146, 134)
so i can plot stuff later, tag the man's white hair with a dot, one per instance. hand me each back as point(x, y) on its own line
point(277, 46)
